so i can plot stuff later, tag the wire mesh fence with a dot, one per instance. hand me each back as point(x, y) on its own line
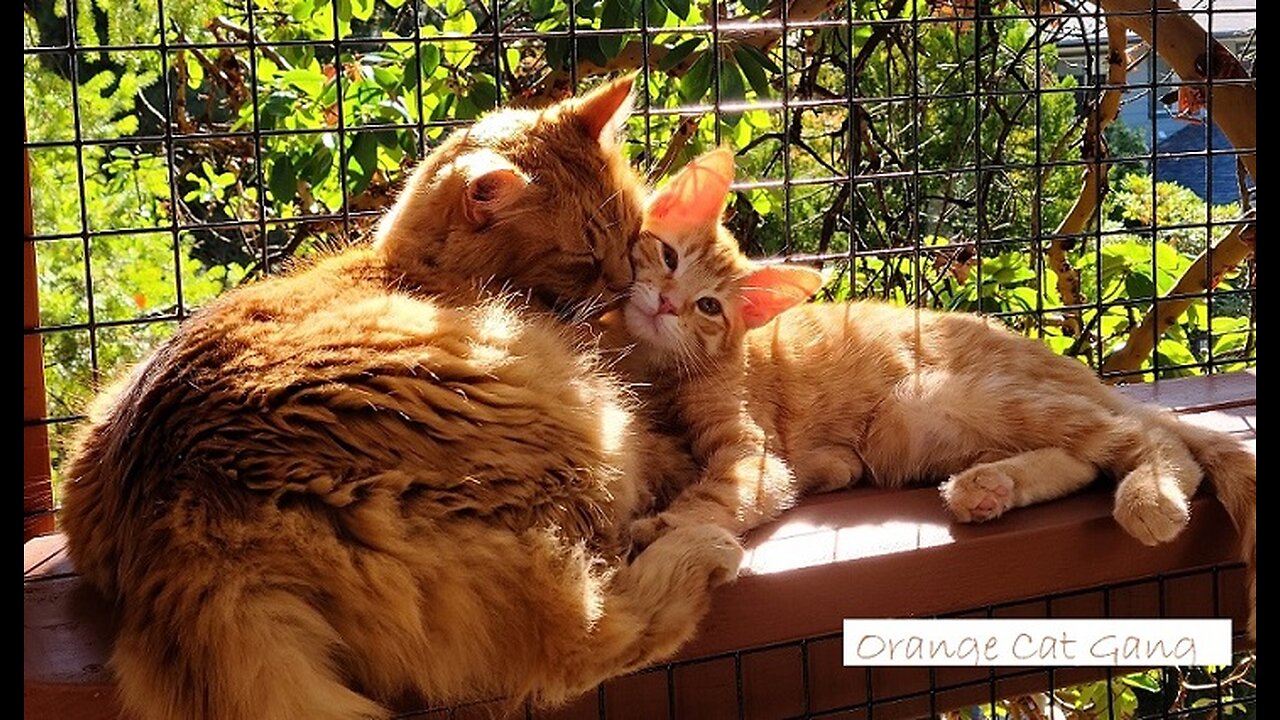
point(1004, 157)
point(805, 678)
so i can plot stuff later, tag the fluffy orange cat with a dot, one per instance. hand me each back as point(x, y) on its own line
point(828, 395)
point(378, 476)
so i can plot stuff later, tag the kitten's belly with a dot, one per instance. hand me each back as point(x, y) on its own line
point(932, 424)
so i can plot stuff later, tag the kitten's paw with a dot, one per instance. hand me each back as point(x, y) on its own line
point(1153, 512)
point(978, 494)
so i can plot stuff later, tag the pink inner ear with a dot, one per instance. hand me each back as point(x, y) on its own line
point(695, 196)
point(770, 290)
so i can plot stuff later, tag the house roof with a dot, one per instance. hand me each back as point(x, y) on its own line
point(1229, 18)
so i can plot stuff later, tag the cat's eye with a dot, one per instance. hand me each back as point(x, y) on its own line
point(709, 306)
point(669, 256)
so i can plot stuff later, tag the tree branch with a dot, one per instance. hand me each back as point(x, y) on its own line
point(1180, 40)
point(1205, 273)
point(1095, 178)
point(684, 131)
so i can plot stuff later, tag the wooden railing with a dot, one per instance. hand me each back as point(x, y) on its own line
point(770, 645)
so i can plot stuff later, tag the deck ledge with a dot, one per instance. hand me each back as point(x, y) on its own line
point(858, 553)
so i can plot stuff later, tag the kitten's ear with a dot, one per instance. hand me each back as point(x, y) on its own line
point(771, 289)
point(605, 110)
point(492, 183)
point(695, 197)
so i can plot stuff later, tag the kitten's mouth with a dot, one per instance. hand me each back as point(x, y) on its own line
point(646, 324)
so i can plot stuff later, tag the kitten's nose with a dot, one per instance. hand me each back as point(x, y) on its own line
point(665, 307)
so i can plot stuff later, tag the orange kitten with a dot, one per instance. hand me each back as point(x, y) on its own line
point(829, 395)
point(372, 478)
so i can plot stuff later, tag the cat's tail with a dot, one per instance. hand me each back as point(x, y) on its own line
point(1233, 473)
point(228, 648)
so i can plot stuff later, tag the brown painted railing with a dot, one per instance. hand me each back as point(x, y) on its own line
point(770, 646)
point(37, 495)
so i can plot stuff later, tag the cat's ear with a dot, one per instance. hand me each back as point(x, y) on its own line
point(771, 289)
point(492, 183)
point(695, 197)
point(605, 109)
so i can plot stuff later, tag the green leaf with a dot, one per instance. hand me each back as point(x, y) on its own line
point(678, 53)
point(362, 10)
point(317, 165)
point(1138, 284)
point(364, 154)
point(278, 104)
point(386, 78)
point(1142, 681)
point(755, 6)
point(483, 94)
point(461, 21)
point(309, 81)
point(1173, 352)
point(752, 70)
point(303, 10)
point(694, 84)
point(762, 58)
point(444, 107)
point(429, 59)
point(467, 110)
point(656, 11)
point(615, 14)
point(679, 7)
point(732, 90)
point(540, 9)
point(282, 181)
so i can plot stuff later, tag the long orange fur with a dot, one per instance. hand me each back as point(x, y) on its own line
point(387, 474)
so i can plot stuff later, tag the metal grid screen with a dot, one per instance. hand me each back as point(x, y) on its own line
point(1033, 160)
point(805, 678)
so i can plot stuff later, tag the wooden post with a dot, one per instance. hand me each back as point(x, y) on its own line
point(37, 496)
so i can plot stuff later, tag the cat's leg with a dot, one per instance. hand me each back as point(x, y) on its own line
point(741, 488)
point(650, 607)
point(1152, 499)
point(823, 469)
point(987, 490)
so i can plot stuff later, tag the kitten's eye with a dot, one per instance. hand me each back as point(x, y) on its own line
point(669, 256)
point(709, 306)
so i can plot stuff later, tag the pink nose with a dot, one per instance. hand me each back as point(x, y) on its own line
point(665, 307)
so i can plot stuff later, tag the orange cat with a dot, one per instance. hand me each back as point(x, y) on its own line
point(828, 395)
point(372, 478)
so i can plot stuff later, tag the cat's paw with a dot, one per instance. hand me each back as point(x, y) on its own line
point(978, 494)
point(1152, 512)
point(646, 530)
point(711, 549)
